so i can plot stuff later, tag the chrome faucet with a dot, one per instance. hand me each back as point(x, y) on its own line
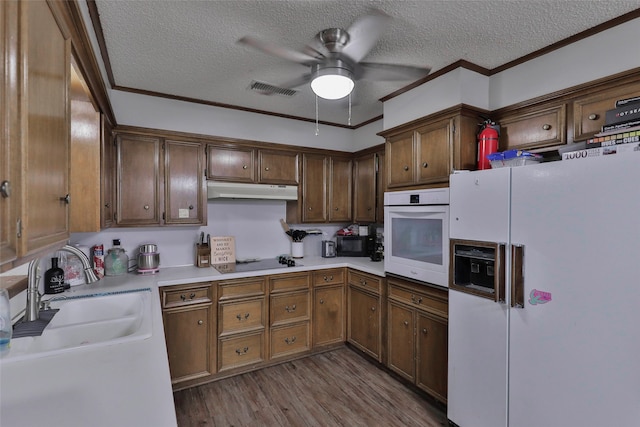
point(33, 296)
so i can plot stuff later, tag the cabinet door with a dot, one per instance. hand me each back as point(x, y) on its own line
point(381, 182)
point(401, 160)
point(184, 195)
point(434, 145)
point(236, 164)
point(340, 185)
point(314, 188)
point(534, 128)
point(401, 340)
point(188, 337)
point(9, 134)
point(277, 167)
point(364, 321)
point(108, 173)
point(432, 343)
point(589, 112)
point(364, 192)
point(328, 315)
point(45, 113)
point(139, 180)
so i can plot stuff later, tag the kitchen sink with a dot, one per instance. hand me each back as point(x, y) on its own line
point(89, 321)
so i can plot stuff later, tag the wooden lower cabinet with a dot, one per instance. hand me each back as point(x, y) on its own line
point(189, 327)
point(328, 307)
point(417, 335)
point(241, 350)
point(289, 314)
point(364, 328)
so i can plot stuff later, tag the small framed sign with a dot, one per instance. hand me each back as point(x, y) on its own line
point(223, 250)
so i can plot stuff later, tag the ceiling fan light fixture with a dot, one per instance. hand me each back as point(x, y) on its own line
point(332, 83)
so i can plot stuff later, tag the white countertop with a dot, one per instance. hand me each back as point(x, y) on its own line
point(126, 384)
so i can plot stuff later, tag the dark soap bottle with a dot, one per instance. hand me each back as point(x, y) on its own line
point(54, 278)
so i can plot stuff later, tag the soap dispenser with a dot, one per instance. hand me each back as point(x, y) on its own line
point(116, 262)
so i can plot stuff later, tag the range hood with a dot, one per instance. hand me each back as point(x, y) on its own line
point(234, 190)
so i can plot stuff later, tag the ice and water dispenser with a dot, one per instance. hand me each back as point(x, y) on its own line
point(478, 268)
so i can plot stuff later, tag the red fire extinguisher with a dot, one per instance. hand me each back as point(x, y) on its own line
point(487, 143)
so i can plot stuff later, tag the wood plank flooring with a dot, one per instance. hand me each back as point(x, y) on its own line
point(336, 388)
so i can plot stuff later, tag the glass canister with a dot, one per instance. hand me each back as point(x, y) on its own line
point(116, 261)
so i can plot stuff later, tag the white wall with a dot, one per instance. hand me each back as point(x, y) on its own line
point(366, 137)
point(255, 224)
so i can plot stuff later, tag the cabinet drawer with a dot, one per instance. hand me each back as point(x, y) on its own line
point(241, 350)
point(287, 308)
point(589, 112)
point(241, 316)
point(289, 340)
point(435, 302)
point(177, 296)
point(534, 128)
point(328, 277)
point(289, 282)
point(241, 288)
point(364, 280)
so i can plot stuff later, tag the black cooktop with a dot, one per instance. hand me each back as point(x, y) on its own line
point(263, 264)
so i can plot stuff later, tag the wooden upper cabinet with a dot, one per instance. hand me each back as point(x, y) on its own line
point(45, 113)
point(435, 148)
point(381, 185)
point(225, 163)
point(139, 188)
point(185, 189)
point(364, 192)
point(242, 163)
point(314, 188)
point(589, 111)
point(275, 167)
point(533, 127)
point(427, 150)
point(340, 196)
point(108, 174)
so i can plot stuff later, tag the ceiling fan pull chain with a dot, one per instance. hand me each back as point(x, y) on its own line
point(317, 128)
point(349, 120)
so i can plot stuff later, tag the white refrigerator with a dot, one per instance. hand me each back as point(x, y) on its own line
point(566, 242)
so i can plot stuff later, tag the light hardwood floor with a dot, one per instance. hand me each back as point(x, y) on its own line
point(336, 388)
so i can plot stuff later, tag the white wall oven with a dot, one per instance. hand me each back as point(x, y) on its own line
point(416, 228)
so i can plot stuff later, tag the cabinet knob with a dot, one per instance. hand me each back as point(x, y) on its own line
point(546, 126)
point(406, 323)
point(266, 169)
point(5, 189)
point(369, 208)
point(244, 166)
point(66, 199)
point(190, 207)
point(593, 116)
point(336, 209)
point(310, 208)
point(321, 301)
point(146, 207)
point(406, 168)
point(200, 322)
point(425, 165)
point(107, 205)
point(373, 308)
point(424, 331)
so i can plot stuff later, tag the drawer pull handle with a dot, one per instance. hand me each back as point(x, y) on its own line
point(290, 341)
point(290, 309)
point(183, 297)
point(242, 352)
point(200, 322)
point(416, 300)
point(406, 323)
point(593, 116)
point(363, 282)
point(240, 318)
point(321, 301)
point(546, 126)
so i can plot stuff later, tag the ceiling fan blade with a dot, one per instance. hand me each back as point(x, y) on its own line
point(303, 79)
point(389, 72)
point(279, 51)
point(364, 33)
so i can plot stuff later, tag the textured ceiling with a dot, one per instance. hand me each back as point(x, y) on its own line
point(189, 48)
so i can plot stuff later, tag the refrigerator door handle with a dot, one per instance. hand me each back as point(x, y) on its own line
point(517, 276)
point(501, 296)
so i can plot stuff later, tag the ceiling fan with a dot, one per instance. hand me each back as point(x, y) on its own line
point(334, 58)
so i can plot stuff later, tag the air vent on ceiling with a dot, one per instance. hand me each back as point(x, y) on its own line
point(267, 89)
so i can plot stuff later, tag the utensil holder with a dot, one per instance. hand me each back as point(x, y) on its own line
point(297, 250)
point(203, 255)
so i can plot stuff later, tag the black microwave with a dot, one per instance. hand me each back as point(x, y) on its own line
point(355, 245)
